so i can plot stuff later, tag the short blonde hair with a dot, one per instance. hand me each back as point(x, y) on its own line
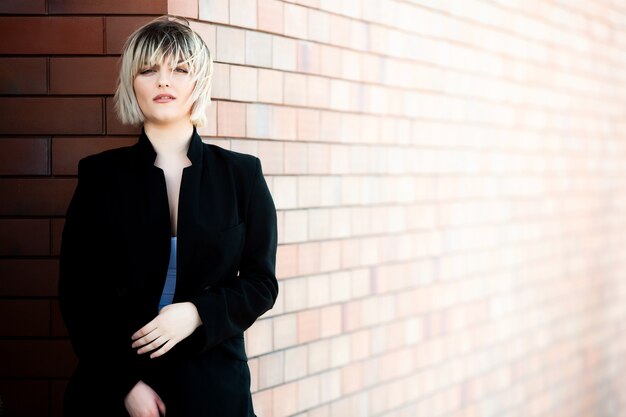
point(163, 37)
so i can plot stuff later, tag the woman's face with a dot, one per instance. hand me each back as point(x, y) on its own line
point(162, 94)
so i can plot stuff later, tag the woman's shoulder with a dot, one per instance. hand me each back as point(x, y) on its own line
point(102, 164)
point(107, 158)
point(240, 161)
point(122, 158)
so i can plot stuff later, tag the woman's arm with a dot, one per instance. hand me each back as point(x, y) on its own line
point(88, 301)
point(230, 308)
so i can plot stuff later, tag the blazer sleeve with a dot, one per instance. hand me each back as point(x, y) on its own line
point(88, 301)
point(230, 308)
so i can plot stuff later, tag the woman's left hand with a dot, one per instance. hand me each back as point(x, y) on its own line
point(174, 323)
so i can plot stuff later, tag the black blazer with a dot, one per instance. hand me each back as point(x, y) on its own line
point(113, 263)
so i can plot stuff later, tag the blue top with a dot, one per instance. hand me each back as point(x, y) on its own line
point(170, 282)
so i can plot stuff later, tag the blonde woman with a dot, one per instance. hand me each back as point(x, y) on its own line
point(169, 248)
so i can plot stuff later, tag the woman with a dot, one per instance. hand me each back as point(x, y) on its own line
point(169, 248)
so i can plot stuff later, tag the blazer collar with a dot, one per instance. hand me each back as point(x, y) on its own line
point(147, 153)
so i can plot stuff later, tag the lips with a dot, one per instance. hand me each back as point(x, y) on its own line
point(164, 98)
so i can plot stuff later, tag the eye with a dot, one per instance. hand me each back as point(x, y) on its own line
point(183, 70)
point(145, 71)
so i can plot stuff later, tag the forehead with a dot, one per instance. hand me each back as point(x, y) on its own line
point(159, 59)
point(151, 50)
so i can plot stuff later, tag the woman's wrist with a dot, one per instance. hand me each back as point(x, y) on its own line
point(195, 315)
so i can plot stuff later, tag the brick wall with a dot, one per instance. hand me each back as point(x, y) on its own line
point(448, 176)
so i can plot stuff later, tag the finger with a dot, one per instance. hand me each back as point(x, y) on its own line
point(161, 405)
point(146, 339)
point(154, 411)
point(144, 330)
point(152, 345)
point(164, 349)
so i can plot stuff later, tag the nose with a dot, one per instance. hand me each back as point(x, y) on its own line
point(164, 79)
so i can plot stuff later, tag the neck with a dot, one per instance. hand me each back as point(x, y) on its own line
point(171, 140)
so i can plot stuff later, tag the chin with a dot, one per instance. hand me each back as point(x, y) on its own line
point(164, 118)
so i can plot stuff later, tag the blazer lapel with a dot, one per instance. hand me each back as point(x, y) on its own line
point(192, 214)
point(154, 231)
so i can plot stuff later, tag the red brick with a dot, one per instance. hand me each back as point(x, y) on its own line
point(29, 277)
point(118, 29)
point(107, 6)
point(56, 230)
point(24, 397)
point(231, 119)
point(57, 325)
point(85, 75)
point(35, 197)
point(60, 115)
point(36, 359)
point(67, 151)
point(24, 237)
point(31, 318)
point(23, 76)
point(184, 8)
point(51, 35)
point(113, 124)
point(23, 7)
point(57, 393)
point(27, 156)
